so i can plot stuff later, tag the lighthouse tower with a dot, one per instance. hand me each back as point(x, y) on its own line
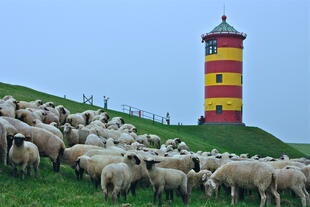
point(223, 74)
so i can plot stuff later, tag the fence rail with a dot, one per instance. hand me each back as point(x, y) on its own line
point(132, 111)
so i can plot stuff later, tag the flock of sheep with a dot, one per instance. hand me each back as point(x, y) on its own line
point(119, 160)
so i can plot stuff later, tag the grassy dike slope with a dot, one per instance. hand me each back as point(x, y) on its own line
point(237, 139)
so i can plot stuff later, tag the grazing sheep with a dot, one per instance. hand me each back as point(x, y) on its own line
point(166, 179)
point(25, 116)
point(76, 119)
point(281, 164)
point(183, 162)
point(7, 132)
point(95, 140)
point(48, 144)
point(128, 127)
point(248, 175)
point(71, 154)
point(212, 163)
point(214, 152)
point(63, 113)
point(54, 130)
point(31, 104)
point(195, 179)
point(119, 175)
point(93, 166)
point(25, 154)
point(103, 117)
point(51, 117)
point(294, 180)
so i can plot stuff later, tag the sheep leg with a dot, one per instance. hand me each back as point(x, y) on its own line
point(28, 170)
point(23, 169)
point(299, 192)
point(115, 193)
point(276, 195)
point(155, 193)
point(158, 195)
point(184, 194)
point(307, 195)
point(262, 197)
point(14, 170)
point(133, 188)
point(233, 195)
point(36, 170)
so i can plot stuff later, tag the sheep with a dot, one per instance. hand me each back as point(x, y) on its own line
point(154, 140)
point(248, 175)
point(51, 117)
point(243, 156)
point(128, 127)
point(26, 116)
point(183, 146)
point(54, 130)
point(143, 140)
point(93, 139)
point(119, 175)
point(49, 104)
point(214, 152)
point(71, 135)
point(7, 132)
point(93, 165)
point(116, 120)
point(166, 179)
point(76, 119)
point(212, 163)
point(183, 162)
point(305, 170)
point(281, 164)
point(63, 113)
point(295, 180)
point(8, 107)
point(71, 154)
point(206, 154)
point(125, 138)
point(25, 154)
point(103, 117)
point(49, 145)
point(31, 104)
point(174, 142)
point(165, 148)
point(195, 179)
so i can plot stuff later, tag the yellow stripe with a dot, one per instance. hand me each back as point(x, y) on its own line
point(227, 79)
point(226, 53)
point(233, 104)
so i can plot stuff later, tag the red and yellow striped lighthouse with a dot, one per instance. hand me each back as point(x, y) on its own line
point(223, 74)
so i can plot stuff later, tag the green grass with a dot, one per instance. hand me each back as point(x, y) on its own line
point(62, 189)
point(304, 148)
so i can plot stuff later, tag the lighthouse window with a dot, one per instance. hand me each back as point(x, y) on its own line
point(211, 47)
point(219, 78)
point(219, 109)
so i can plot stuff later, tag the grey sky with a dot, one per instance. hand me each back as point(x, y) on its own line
point(148, 54)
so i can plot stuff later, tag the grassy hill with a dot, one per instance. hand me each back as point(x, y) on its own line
point(237, 139)
point(62, 189)
point(304, 148)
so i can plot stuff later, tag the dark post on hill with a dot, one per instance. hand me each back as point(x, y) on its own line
point(89, 100)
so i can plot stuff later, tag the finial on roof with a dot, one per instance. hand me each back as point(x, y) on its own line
point(224, 18)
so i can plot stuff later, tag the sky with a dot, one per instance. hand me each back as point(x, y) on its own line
point(149, 54)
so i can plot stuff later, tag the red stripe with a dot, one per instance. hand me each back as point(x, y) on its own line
point(223, 66)
point(225, 116)
point(223, 91)
point(224, 36)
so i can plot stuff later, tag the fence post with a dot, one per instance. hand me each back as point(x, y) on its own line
point(153, 118)
point(129, 111)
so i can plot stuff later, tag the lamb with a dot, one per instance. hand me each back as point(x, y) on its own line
point(93, 139)
point(295, 180)
point(71, 135)
point(71, 154)
point(174, 142)
point(166, 179)
point(119, 175)
point(182, 162)
point(183, 146)
point(54, 130)
point(195, 179)
point(25, 154)
point(63, 113)
point(248, 175)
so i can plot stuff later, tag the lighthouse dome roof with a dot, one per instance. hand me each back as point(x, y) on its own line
point(224, 27)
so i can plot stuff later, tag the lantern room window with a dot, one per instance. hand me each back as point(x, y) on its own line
point(211, 47)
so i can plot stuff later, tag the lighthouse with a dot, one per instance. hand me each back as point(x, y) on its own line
point(223, 74)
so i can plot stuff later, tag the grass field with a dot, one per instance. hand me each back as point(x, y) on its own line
point(304, 148)
point(62, 189)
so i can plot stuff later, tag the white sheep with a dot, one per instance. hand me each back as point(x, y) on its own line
point(63, 113)
point(7, 131)
point(8, 107)
point(93, 139)
point(25, 154)
point(196, 179)
point(71, 135)
point(183, 146)
point(48, 127)
point(174, 142)
point(154, 140)
point(182, 162)
point(166, 179)
point(248, 175)
point(76, 119)
point(119, 175)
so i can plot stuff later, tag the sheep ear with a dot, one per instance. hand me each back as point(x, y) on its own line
point(123, 154)
point(137, 160)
